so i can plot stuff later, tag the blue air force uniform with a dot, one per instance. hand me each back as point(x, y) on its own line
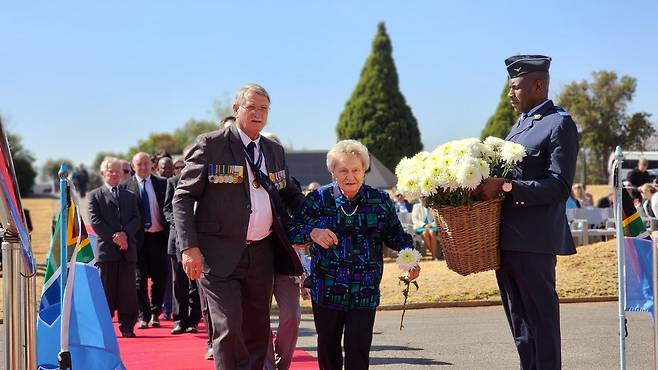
point(534, 227)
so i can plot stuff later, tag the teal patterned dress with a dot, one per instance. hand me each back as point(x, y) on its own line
point(347, 276)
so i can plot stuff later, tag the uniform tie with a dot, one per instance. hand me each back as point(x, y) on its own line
point(146, 206)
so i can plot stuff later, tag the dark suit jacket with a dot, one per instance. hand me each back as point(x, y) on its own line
point(168, 210)
point(160, 188)
point(107, 216)
point(533, 215)
point(219, 224)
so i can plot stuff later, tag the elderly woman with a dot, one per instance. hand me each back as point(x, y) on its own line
point(348, 222)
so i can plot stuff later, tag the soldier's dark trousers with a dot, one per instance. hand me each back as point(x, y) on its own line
point(527, 289)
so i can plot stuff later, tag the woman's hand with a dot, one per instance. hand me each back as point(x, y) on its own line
point(414, 273)
point(324, 237)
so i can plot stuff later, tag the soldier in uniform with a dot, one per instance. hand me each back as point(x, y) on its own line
point(533, 226)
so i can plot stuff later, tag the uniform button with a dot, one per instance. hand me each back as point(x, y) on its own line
point(522, 203)
point(248, 206)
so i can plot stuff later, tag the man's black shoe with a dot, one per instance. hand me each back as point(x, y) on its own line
point(155, 322)
point(141, 324)
point(128, 335)
point(192, 329)
point(178, 329)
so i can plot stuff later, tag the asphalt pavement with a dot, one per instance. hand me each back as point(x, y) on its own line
point(479, 338)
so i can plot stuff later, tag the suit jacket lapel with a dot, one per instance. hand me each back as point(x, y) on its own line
point(268, 151)
point(235, 143)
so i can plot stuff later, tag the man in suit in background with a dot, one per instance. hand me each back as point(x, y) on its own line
point(186, 303)
point(152, 239)
point(234, 239)
point(114, 216)
point(533, 226)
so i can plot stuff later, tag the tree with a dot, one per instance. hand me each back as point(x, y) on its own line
point(222, 108)
point(599, 109)
point(377, 114)
point(503, 118)
point(157, 142)
point(50, 170)
point(23, 159)
point(185, 135)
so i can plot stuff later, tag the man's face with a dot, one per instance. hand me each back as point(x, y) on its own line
point(112, 174)
point(178, 167)
point(642, 166)
point(522, 93)
point(251, 116)
point(166, 167)
point(142, 165)
point(125, 170)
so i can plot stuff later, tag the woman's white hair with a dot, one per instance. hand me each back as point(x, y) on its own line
point(348, 147)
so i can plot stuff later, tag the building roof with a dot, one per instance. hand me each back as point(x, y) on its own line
point(311, 165)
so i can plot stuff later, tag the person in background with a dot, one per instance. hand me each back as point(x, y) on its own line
point(312, 186)
point(179, 164)
point(402, 205)
point(425, 225)
point(126, 171)
point(649, 200)
point(639, 175)
point(115, 217)
point(166, 167)
point(348, 223)
point(226, 122)
point(579, 194)
point(152, 239)
point(605, 202)
point(80, 179)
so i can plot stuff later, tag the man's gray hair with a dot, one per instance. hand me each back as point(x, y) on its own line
point(258, 89)
point(348, 147)
point(107, 162)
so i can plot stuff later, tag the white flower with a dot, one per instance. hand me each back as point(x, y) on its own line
point(408, 258)
point(512, 152)
point(494, 142)
point(468, 173)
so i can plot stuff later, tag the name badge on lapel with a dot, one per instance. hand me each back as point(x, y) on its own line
point(225, 174)
point(278, 179)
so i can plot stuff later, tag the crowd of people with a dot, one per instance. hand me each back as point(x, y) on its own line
point(233, 230)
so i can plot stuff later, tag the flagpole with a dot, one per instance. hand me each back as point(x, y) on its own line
point(617, 182)
point(64, 357)
point(654, 254)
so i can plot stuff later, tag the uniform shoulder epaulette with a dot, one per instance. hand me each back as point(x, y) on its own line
point(562, 112)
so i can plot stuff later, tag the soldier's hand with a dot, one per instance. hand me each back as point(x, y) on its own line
point(192, 261)
point(324, 237)
point(489, 188)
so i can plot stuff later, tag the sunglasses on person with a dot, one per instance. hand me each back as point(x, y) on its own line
point(179, 167)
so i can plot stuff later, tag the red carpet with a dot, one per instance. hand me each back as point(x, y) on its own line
point(155, 348)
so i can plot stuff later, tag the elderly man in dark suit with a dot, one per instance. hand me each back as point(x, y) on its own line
point(533, 223)
point(114, 216)
point(234, 240)
point(152, 239)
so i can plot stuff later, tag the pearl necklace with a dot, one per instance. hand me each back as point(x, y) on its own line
point(349, 214)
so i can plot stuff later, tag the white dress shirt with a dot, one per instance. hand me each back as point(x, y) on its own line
point(260, 219)
point(156, 222)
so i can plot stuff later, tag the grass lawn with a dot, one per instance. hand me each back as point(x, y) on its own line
point(591, 272)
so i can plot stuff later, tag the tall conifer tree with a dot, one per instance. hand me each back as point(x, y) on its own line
point(377, 114)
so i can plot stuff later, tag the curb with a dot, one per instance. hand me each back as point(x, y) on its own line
point(459, 304)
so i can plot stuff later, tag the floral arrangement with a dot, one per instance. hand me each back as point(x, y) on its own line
point(408, 259)
point(449, 174)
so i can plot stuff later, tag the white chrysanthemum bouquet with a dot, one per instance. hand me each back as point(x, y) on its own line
point(449, 174)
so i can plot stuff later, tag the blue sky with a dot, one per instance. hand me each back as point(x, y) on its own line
point(81, 77)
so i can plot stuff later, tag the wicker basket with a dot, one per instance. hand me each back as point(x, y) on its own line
point(470, 236)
